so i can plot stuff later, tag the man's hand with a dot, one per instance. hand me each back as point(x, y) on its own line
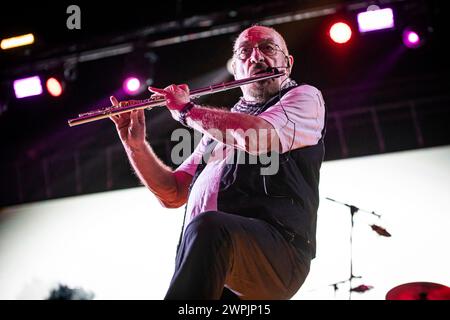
point(177, 96)
point(130, 125)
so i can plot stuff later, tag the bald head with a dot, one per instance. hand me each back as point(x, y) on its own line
point(258, 32)
point(250, 61)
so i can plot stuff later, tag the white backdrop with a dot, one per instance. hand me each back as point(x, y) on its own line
point(121, 244)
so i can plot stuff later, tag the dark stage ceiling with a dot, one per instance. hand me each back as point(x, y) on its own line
point(380, 96)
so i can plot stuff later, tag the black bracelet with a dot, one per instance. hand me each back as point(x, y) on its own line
point(184, 112)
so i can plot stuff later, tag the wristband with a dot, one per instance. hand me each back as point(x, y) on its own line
point(184, 112)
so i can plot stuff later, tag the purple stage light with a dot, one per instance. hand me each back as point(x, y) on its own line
point(27, 87)
point(131, 85)
point(375, 20)
point(411, 39)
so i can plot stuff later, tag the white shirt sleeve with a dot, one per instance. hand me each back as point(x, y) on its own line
point(298, 117)
point(190, 164)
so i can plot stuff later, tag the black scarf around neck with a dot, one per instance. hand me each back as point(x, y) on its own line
point(255, 108)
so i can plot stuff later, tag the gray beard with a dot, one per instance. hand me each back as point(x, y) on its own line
point(260, 92)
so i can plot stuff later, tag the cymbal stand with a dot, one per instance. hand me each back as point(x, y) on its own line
point(353, 210)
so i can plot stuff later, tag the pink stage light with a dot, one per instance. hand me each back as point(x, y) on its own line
point(411, 39)
point(340, 32)
point(131, 85)
point(27, 87)
point(375, 20)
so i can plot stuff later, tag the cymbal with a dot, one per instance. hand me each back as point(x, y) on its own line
point(419, 291)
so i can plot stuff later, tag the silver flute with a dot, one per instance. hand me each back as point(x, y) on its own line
point(159, 101)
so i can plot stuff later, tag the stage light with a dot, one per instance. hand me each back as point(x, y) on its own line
point(131, 85)
point(138, 71)
point(230, 66)
point(17, 41)
point(54, 87)
point(340, 32)
point(27, 87)
point(372, 20)
point(411, 38)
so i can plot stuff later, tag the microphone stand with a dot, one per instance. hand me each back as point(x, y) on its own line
point(353, 210)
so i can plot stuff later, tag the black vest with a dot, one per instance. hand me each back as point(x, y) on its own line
point(288, 200)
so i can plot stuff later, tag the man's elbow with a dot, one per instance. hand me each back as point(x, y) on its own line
point(172, 203)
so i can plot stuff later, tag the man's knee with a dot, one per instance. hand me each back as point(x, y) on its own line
point(208, 224)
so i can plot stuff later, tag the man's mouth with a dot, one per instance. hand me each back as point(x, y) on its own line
point(258, 71)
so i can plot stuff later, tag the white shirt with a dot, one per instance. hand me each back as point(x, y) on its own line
point(298, 119)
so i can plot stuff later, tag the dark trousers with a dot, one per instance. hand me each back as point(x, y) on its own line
point(222, 253)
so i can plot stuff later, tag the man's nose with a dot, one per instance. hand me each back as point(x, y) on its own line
point(256, 55)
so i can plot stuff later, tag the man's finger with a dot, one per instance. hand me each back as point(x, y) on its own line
point(156, 90)
point(184, 87)
point(114, 101)
point(115, 119)
point(141, 116)
point(157, 96)
point(134, 117)
point(172, 88)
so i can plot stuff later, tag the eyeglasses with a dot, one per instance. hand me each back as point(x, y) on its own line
point(268, 49)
